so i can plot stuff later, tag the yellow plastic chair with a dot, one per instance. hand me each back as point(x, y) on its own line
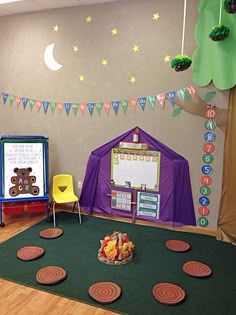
point(63, 192)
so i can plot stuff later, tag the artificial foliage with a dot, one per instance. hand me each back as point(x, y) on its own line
point(219, 32)
point(181, 63)
point(230, 6)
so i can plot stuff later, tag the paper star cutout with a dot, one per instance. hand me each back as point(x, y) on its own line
point(55, 28)
point(104, 62)
point(89, 19)
point(136, 48)
point(81, 77)
point(75, 48)
point(114, 31)
point(155, 16)
point(167, 58)
point(132, 79)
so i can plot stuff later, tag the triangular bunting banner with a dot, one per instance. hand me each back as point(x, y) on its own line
point(45, 106)
point(17, 100)
point(38, 105)
point(142, 102)
point(107, 106)
point(24, 101)
point(161, 98)
point(99, 107)
point(67, 108)
point(75, 107)
point(115, 105)
point(31, 104)
point(192, 90)
point(181, 95)
point(152, 101)
point(53, 106)
point(171, 97)
point(133, 103)
point(60, 107)
point(4, 97)
point(90, 107)
point(82, 107)
point(124, 105)
point(11, 98)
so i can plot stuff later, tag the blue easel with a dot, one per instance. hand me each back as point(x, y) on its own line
point(16, 154)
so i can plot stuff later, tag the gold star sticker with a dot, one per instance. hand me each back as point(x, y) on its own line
point(132, 79)
point(114, 31)
point(167, 58)
point(155, 16)
point(75, 48)
point(89, 19)
point(81, 77)
point(55, 28)
point(136, 48)
point(104, 62)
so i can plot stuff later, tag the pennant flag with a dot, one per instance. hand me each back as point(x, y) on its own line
point(4, 97)
point(142, 102)
point(38, 105)
point(115, 105)
point(133, 103)
point(17, 100)
point(99, 107)
point(31, 104)
point(107, 106)
point(192, 90)
point(67, 108)
point(152, 101)
point(53, 106)
point(60, 107)
point(45, 106)
point(24, 101)
point(124, 105)
point(75, 108)
point(11, 98)
point(171, 97)
point(82, 107)
point(181, 95)
point(91, 108)
point(161, 98)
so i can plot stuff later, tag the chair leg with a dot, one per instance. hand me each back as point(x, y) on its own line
point(79, 214)
point(54, 213)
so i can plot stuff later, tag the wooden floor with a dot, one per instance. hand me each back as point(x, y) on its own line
point(21, 300)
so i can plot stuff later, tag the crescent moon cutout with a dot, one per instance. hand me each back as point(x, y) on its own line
point(49, 59)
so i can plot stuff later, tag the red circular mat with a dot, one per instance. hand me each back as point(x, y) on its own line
point(196, 269)
point(30, 252)
point(104, 292)
point(177, 245)
point(51, 233)
point(168, 293)
point(50, 275)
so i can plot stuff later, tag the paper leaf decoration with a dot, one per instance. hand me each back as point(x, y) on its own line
point(209, 96)
point(176, 111)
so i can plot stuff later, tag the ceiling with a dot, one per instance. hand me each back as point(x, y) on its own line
point(40, 5)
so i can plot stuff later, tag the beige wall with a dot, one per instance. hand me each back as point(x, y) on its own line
point(23, 39)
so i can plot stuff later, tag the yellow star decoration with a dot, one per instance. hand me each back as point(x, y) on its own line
point(75, 48)
point(89, 19)
point(155, 16)
point(55, 28)
point(104, 62)
point(81, 77)
point(167, 58)
point(114, 31)
point(132, 79)
point(136, 48)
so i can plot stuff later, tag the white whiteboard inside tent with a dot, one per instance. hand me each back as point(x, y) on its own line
point(23, 155)
point(137, 167)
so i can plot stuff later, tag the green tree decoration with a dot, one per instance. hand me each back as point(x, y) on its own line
point(214, 61)
point(230, 6)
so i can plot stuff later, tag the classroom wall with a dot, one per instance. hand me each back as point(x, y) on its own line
point(24, 38)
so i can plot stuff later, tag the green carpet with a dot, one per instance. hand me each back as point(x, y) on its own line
point(76, 251)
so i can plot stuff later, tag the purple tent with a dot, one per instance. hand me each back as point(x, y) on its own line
point(176, 201)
